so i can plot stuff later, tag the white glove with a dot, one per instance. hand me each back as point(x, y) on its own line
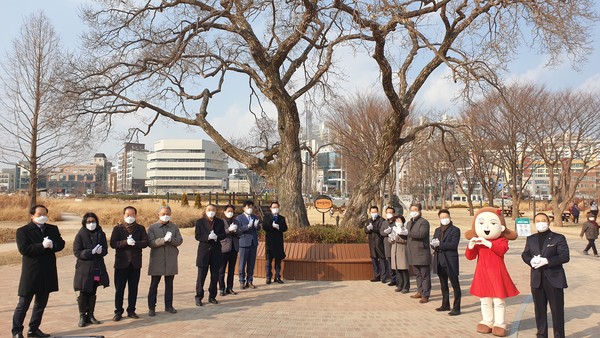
point(97, 250)
point(370, 226)
point(472, 242)
point(542, 261)
point(387, 230)
point(232, 227)
point(403, 231)
point(130, 240)
point(212, 235)
point(256, 223)
point(392, 238)
point(275, 225)
point(47, 243)
point(435, 242)
point(168, 236)
point(535, 260)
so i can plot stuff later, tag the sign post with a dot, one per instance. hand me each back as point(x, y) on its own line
point(523, 228)
point(323, 204)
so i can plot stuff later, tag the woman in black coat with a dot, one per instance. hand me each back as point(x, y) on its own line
point(90, 247)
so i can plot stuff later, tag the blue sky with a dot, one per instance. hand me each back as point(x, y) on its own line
point(233, 116)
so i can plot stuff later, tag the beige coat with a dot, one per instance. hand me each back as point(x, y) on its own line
point(163, 255)
point(399, 254)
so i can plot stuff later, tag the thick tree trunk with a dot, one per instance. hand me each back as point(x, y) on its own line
point(289, 187)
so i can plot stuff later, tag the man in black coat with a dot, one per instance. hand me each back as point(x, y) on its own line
point(274, 226)
point(546, 252)
point(210, 230)
point(38, 242)
point(445, 261)
point(376, 248)
point(230, 247)
point(128, 238)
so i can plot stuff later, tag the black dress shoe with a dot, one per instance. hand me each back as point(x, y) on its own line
point(151, 313)
point(392, 283)
point(268, 280)
point(133, 315)
point(117, 317)
point(230, 292)
point(278, 280)
point(443, 308)
point(375, 280)
point(198, 301)
point(213, 301)
point(37, 333)
point(243, 285)
point(251, 286)
point(454, 313)
point(171, 310)
point(18, 335)
point(222, 293)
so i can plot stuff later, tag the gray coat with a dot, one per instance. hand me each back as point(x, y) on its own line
point(386, 244)
point(418, 242)
point(163, 255)
point(399, 253)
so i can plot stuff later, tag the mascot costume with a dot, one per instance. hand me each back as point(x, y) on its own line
point(488, 242)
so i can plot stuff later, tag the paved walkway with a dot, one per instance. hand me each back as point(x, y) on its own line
point(319, 309)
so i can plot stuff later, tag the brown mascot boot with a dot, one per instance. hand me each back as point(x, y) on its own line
point(499, 331)
point(482, 328)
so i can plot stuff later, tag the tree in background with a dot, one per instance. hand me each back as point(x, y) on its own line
point(38, 128)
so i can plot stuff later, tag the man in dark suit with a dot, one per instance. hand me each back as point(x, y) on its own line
point(546, 252)
point(37, 242)
point(210, 230)
point(274, 225)
point(419, 256)
point(376, 249)
point(128, 238)
point(248, 227)
point(445, 261)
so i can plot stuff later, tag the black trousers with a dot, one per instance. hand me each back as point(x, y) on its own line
point(379, 268)
point(423, 277)
point(154, 290)
point(402, 279)
point(229, 259)
point(129, 277)
point(269, 265)
point(214, 279)
point(591, 245)
point(391, 272)
point(444, 276)
point(41, 300)
point(543, 295)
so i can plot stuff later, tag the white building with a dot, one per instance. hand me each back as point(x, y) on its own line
point(131, 168)
point(189, 166)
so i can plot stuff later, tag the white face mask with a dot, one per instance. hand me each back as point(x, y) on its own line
point(210, 214)
point(388, 216)
point(591, 218)
point(91, 226)
point(541, 226)
point(414, 214)
point(229, 214)
point(41, 219)
point(165, 218)
point(399, 224)
point(445, 221)
point(248, 211)
point(374, 215)
point(129, 219)
point(275, 211)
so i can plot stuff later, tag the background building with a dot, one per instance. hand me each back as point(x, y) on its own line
point(189, 166)
point(7, 180)
point(131, 168)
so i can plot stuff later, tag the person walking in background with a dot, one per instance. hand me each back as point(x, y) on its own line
point(385, 231)
point(445, 261)
point(399, 254)
point(89, 247)
point(546, 252)
point(128, 239)
point(594, 208)
point(418, 249)
point(210, 231)
point(230, 246)
point(590, 229)
point(274, 226)
point(163, 239)
point(38, 242)
point(248, 227)
point(376, 249)
point(575, 212)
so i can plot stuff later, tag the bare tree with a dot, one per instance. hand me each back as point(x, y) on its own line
point(37, 125)
point(566, 141)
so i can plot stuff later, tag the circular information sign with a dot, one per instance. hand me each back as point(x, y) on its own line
point(323, 203)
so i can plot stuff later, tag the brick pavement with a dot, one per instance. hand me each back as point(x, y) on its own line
point(316, 309)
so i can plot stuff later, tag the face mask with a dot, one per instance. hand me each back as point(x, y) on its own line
point(229, 214)
point(90, 226)
point(374, 215)
point(210, 214)
point(445, 221)
point(41, 219)
point(165, 218)
point(388, 216)
point(275, 211)
point(414, 214)
point(399, 224)
point(248, 211)
point(129, 219)
point(591, 219)
point(541, 226)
